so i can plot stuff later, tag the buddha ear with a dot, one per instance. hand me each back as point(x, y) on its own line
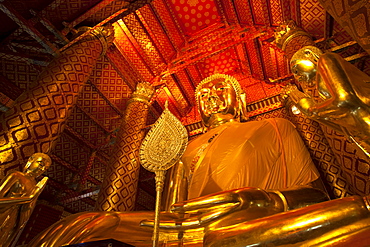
point(243, 107)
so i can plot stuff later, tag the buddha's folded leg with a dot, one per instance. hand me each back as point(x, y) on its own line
point(94, 226)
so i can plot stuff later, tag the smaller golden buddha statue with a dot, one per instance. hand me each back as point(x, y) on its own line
point(18, 194)
point(343, 89)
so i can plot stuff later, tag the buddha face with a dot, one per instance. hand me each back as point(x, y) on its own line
point(304, 66)
point(304, 72)
point(218, 102)
point(37, 164)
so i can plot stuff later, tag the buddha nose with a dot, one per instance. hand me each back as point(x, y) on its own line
point(213, 98)
point(213, 94)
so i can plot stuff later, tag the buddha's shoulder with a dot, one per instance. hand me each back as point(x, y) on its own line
point(281, 125)
point(271, 121)
point(16, 174)
point(281, 121)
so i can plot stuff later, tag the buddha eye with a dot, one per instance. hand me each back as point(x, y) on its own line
point(203, 95)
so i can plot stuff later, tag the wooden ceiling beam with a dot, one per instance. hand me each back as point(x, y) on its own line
point(174, 20)
point(82, 141)
point(228, 12)
point(87, 14)
point(125, 69)
point(151, 36)
point(53, 5)
point(59, 35)
point(73, 169)
point(13, 56)
point(134, 44)
point(96, 89)
point(328, 26)
point(202, 48)
point(29, 28)
point(64, 188)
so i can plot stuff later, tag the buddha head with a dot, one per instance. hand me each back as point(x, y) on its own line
point(37, 164)
point(220, 99)
point(304, 66)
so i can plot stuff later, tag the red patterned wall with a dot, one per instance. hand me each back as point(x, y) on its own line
point(312, 17)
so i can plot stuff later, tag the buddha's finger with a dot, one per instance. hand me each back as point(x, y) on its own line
point(194, 221)
point(206, 202)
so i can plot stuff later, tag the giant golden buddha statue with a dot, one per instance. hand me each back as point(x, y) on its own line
point(267, 154)
point(235, 172)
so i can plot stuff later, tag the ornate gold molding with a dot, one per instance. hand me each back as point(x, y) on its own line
point(143, 93)
point(286, 32)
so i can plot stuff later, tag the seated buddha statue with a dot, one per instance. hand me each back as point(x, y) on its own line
point(267, 154)
point(235, 172)
point(343, 89)
point(18, 194)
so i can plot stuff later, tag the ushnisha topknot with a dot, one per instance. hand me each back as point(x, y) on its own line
point(228, 79)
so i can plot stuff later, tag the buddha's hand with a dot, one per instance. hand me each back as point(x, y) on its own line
point(301, 100)
point(291, 91)
point(224, 207)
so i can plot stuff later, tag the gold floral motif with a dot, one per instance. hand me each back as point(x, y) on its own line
point(164, 144)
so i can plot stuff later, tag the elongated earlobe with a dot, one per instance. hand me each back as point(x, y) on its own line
point(243, 107)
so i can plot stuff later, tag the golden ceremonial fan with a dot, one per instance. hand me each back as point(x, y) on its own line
point(161, 148)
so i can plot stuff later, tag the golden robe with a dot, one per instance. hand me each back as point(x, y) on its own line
point(267, 154)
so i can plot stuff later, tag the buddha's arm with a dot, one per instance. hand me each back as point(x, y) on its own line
point(7, 184)
point(14, 200)
point(317, 111)
point(307, 105)
point(24, 199)
point(324, 224)
point(240, 205)
point(177, 186)
point(301, 100)
point(331, 72)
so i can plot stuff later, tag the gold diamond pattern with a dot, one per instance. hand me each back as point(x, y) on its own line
point(40, 114)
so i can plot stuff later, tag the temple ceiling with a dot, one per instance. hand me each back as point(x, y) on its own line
point(173, 44)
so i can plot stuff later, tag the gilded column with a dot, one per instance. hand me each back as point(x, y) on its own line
point(290, 38)
point(39, 115)
point(118, 191)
